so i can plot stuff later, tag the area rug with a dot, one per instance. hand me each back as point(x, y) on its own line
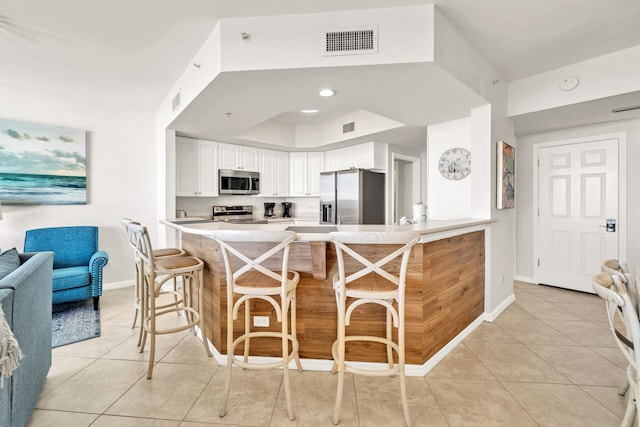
point(73, 322)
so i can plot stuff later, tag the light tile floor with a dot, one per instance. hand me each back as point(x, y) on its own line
point(547, 360)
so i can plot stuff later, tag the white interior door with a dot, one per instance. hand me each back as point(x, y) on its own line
point(577, 196)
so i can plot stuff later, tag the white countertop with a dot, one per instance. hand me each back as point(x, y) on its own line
point(430, 231)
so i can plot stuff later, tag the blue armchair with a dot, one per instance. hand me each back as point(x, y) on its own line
point(77, 262)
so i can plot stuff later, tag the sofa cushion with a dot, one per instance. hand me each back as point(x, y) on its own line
point(71, 277)
point(9, 261)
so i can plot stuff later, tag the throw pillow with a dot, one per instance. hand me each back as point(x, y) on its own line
point(9, 261)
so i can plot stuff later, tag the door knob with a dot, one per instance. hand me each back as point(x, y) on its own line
point(610, 226)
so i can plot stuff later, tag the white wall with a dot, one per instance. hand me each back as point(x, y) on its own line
point(448, 199)
point(459, 57)
point(600, 77)
point(524, 188)
point(121, 173)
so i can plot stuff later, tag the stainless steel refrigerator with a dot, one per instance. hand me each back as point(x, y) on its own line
point(354, 196)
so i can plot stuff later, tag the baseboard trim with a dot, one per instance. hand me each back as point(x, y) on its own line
point(493, 315)
point(117, 285)
point(526, 279)
point(323, 365)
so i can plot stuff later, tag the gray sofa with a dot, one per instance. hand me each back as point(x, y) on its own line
point(25, 295)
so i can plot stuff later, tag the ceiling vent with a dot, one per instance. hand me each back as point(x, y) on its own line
point(175, 102)
point(348, 127)
point(355, 41)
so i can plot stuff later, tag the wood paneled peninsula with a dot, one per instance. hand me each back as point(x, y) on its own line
point(444, 296)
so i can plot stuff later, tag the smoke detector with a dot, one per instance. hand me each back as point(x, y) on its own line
point(570, 83)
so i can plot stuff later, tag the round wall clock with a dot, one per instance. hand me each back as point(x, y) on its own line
point(455, 163)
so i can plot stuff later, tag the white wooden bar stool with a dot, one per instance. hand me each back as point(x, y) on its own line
point(620, 269)
point(372, 284)
point(157, 254)
point(619, 305)
point(614, 266)
point(155, 273)
point(248, 279)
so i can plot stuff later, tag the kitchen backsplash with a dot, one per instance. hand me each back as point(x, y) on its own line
point(201, 206)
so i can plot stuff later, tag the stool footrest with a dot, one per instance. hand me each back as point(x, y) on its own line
point(393, 369)
point(184, 327)
point(266, 365)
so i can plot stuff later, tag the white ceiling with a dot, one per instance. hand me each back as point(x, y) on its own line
point(132, 52)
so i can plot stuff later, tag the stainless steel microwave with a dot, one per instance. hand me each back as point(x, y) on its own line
point(238, 182)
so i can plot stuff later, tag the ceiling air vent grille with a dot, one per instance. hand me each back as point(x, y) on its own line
point(351, 42)
point(348, 127)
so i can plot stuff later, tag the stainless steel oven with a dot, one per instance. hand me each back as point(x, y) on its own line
point(236, 215)
point(238, 182)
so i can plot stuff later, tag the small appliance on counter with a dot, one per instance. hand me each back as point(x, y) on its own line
point(287, 209)
point(268, 210)
point(419, 213)
point(236, 215)
point(180, 213)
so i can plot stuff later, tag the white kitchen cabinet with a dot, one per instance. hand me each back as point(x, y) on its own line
point(196, 171)
point(238, 157)
point(274, 173)
point(370, 155)
point(331, 160)
point(305, 173)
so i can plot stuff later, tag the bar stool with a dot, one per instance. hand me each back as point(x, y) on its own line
point(614, 266)
point(372, 284)
point(620, 269)
point(155, 273)
point(248, 279)
point(157, 254)
point(620, 309)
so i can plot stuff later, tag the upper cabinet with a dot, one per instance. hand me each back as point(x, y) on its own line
point(370, 155)
point(238, 157)
point(305, 173)
point(274, 173)
point(196, 168)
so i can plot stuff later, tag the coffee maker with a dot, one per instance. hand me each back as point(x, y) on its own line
point(286, 209)
point(268, 210)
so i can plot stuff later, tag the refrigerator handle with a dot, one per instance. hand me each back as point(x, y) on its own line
point(326, 213)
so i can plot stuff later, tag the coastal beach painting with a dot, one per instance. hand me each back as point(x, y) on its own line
point(42, 164)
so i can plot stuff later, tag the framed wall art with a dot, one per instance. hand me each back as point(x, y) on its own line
point(506, 177)
point(42, 164)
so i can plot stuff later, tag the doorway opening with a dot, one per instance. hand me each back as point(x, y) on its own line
point(406, 187)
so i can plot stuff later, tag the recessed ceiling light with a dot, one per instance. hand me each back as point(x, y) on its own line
point(327, 92)
point(309, 111)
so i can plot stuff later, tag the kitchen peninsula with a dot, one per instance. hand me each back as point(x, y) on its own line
point(444, 295)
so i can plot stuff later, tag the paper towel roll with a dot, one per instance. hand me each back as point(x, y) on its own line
point(419, 213)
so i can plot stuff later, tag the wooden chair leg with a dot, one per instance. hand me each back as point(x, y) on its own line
point(389, 339)
point(285, 359)
point(203, 329)
point(294, 329)
point(339, 365)
point(630, 412)
point(230, 351)
point(247, 328)
point(152, 332)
